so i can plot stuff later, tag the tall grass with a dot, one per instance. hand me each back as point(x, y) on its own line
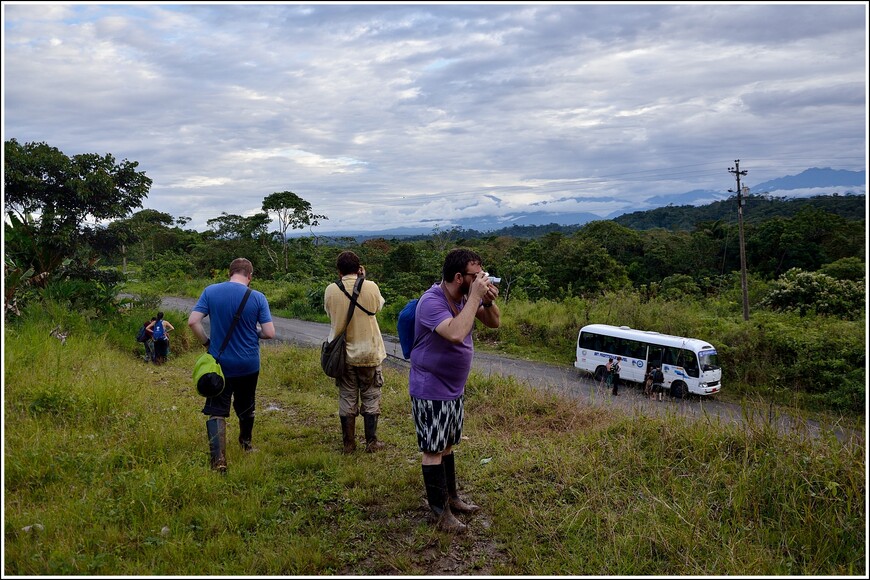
point(109, 457)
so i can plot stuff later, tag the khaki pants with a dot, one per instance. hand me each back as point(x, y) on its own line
point(359, 390)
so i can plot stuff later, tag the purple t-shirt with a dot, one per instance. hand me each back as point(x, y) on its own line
point(439, 368)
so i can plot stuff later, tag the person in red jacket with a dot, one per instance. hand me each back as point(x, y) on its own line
point(148, 343)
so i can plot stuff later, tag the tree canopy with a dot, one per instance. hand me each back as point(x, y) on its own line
point(292, 212)
point(50, 196)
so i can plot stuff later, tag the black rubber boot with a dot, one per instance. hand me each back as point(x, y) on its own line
point(246, 431)
point(348, 433)
point(456, 504)
point(370, 422)
point(217, 443)
point(436, 492)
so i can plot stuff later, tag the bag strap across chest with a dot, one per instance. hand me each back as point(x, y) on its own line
point(353, 302)
point(356, 290)
point(235, 321)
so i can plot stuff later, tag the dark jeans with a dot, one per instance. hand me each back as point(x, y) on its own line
point(239, 393)
point(161, 349)
point(149, 349)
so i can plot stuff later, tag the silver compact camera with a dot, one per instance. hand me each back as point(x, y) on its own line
point(492, 279)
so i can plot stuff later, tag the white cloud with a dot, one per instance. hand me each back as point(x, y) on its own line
point(386, 115)
point(200, 181)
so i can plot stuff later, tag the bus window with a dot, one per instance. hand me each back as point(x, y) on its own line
point(709, 360)
point(655, 355)
point(621, 347)
point(690, 363)
point(599, 342)
point(639, 350)
point(630, 348)
point(670, 356)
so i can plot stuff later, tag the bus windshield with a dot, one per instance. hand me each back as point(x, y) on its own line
point(709, 360)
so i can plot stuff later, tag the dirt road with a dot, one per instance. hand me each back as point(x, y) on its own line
point(567, 380)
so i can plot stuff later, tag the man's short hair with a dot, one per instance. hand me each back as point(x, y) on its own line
point(457, 260)
point(241, 266)
point(347, 263)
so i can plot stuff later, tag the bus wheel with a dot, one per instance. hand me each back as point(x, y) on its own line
point(679, 390)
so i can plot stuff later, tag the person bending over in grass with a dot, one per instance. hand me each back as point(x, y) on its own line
point(160, 335)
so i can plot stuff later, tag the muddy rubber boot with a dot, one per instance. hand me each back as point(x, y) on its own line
point(370, 422)
point(246, 431)
point(436, 492)
point(348, 433)
point(455, 502)
point(217, 443)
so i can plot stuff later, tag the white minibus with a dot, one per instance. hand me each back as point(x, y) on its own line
point(689, 365)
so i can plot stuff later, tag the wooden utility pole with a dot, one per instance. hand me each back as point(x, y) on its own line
point(740, 201)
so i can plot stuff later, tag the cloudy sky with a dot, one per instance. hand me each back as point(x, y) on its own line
point(385, 115)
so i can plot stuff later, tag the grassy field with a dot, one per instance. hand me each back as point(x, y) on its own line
point(106, 473)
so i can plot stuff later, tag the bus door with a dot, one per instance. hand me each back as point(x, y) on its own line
point(655, 356)
point(634, 354)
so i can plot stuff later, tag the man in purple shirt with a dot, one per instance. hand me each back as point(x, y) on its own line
point(440, 364)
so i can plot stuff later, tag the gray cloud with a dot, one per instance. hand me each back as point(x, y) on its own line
point(385, 115)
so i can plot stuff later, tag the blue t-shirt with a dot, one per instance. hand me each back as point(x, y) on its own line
point(219, 302)
point(439, 368)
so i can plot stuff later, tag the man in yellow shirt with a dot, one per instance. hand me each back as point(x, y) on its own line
point(359, 387)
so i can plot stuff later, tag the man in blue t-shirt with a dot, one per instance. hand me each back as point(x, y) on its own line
point(241, 359)
point(440, 364)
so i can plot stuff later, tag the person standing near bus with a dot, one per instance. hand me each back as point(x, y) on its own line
point(607, 379)
point(614, 376)
point(647, 382)
point(658, 381)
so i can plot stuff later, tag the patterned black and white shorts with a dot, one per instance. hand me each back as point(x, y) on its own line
point(438, 423)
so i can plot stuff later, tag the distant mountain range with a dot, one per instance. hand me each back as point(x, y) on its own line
point(832, 180)
point(813, 181)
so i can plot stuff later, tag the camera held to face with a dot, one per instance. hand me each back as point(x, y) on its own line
point(492, 279)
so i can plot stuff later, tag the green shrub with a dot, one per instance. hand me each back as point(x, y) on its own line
point(806, 292)
point(168, 265)
point(845, 269)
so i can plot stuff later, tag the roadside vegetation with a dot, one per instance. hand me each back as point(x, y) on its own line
point(106, 473)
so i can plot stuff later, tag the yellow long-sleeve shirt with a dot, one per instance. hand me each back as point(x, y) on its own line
point(365, 345)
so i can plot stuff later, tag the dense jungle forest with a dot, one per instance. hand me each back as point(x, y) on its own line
point(804, 343)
